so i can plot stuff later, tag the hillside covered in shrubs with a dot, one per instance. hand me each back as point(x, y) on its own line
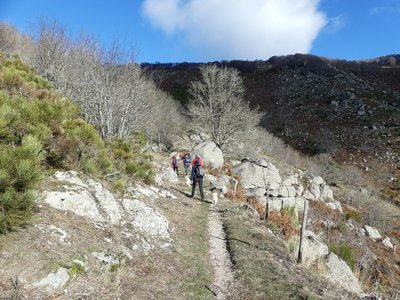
point(40, 132)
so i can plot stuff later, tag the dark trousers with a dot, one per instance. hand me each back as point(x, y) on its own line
point(198, 181)
point(176, 170)
point(187, 166)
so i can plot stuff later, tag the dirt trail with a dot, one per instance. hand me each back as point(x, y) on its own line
point(219, 256)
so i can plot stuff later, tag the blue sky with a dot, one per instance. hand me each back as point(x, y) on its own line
point(209, 30)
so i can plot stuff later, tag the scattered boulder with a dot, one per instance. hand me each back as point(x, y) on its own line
point(224, 183)
point(335, 205)
point(387, 243)
point(372, 232)
point(54, 281)
point(146, 218)
point(106, 260)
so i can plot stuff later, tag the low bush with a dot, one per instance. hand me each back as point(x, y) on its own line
point(19, 172)
point(345, 252)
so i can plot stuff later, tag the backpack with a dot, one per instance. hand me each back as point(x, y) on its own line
point(198, 171)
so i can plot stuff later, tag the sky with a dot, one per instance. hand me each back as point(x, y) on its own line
point(214, 30)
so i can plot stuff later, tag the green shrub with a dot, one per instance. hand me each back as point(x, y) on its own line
point(75, 270)
point(89, 166)
point(353, 215)
point(345, 252)
point(105, 163)
point(115, 267)
point(122, 149)
point(15, 209)
point(140, 138)
point(119, 185)
point(131, 167)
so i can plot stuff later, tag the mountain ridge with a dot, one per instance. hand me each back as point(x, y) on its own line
point(348, 109)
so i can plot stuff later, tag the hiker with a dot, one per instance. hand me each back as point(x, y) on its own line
point(186, 163)
point(197, 158)
point(174, 164)
point(197, 176)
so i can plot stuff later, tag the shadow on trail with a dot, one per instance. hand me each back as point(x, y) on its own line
point(188, 195)
point(179, 191)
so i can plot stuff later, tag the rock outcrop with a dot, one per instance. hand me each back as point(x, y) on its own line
point(90, 199)
point(316, 256)
point(211, 155)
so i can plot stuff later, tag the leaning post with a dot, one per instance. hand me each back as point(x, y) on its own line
point(303, 228)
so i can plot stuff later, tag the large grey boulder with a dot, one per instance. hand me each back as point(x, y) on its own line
point(337, 271)
point(89, 199)
point(257, 177)
point(86, 198)
point(78, 201)
point(146, 218)
point(313, 249)
point(210, 154)
point(106, 200)
point(277, 204)
point(387, 243)
point(317, 256)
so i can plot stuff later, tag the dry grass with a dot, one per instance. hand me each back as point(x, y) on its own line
point(262, 264)
point(284, 222)
point(256, 204)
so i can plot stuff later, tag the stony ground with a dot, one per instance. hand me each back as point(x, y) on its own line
point(196, 264)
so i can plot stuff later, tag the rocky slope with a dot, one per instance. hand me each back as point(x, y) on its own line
point(155, 242)
point(350, 109)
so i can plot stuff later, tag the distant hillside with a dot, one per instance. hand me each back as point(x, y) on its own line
point(350, 109)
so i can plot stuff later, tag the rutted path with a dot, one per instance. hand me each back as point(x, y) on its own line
point(219, 256)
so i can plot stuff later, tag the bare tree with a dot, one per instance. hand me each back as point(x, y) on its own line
point(113, 91)
point(217, 105)
point(12, 42)
point(50, 55)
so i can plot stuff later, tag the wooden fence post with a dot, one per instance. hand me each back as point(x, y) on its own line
point(267, 204)
point(303, 228)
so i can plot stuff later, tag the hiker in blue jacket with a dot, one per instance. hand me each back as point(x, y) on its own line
point(186, 163)
point(197, 176)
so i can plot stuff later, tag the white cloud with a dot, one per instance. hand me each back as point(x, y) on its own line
point(240, 29)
